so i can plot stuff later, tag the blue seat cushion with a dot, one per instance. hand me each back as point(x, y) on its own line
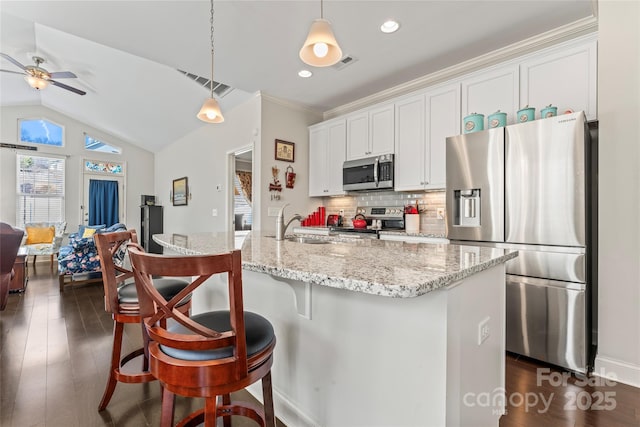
point(167, 287)
point(258, 330)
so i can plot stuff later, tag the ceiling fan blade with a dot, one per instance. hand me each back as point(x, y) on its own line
point(64, 86)
point(13, 61)
point(13, 72)
point(63, 75)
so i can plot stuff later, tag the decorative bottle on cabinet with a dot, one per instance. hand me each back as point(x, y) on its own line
point(150, 224)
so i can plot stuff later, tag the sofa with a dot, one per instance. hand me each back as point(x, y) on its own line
point(78, 262)
point(43, 238)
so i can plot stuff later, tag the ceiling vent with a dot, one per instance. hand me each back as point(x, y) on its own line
point(344, 62)
point(219, 89)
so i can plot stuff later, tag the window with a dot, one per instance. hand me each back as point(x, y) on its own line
point(41, 131)
point(40, 189)
point(93, 144)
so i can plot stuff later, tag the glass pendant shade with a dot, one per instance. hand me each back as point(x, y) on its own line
point(321, 48)
point(36, 82)
point(210, 112)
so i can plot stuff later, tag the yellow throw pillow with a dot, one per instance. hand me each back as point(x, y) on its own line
point(88, 232)
point(40, 235)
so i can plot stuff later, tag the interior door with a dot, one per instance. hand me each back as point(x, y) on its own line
point(85, 196)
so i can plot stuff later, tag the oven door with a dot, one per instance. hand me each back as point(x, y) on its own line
point(360, 174)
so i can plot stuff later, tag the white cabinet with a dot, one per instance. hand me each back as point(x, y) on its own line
point(411, 162)
point(443, 120)
point(564, 77)
point(327, 145)
point(423, 123)
point(370, 133)
point(490, 91)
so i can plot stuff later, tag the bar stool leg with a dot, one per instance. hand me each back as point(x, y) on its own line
point(118, 329)
point(267, 400)
point(210, 411)
point(168, 401)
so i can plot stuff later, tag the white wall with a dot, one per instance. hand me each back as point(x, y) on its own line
point(139, 164)
point(619, 226)
point(284, 121)
point(201, 156)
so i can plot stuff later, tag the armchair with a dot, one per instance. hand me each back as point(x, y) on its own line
point(10, 239)
point(43, 238)
point(78, 262)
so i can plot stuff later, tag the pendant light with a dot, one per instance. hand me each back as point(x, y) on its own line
point(321, 48)
point(210, 111)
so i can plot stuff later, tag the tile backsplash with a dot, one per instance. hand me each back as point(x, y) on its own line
point(429, 203)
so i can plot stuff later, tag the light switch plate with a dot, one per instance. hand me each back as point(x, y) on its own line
point(214, 212)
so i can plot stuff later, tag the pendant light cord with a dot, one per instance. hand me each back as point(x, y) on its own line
point(211, 22)
point(321, 10)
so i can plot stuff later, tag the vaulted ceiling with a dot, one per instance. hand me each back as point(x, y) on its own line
point(126, 53)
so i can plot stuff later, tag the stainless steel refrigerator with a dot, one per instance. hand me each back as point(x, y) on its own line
point(532, 187)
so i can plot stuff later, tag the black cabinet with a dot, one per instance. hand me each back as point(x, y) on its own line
point(150, 224)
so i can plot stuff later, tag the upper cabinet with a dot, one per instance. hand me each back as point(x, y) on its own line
point(443, 120)
point(414, 127)
point(327, 147)
point(423, 123)
point(371, 132)
point(565, 78)
point(490, 91)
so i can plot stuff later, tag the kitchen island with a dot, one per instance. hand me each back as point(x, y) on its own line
point(373, 332)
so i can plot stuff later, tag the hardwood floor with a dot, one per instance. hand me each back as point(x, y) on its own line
point(55, 349)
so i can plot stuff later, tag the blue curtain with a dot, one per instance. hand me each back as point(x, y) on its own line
point(103, 202)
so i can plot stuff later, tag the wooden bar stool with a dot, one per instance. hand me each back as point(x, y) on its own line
point(209, 355)
point(121, 300)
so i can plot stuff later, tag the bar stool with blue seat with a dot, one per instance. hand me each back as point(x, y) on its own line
point(121, 300)
point(211, 354)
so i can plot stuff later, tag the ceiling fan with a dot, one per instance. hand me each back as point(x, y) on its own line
point(38, 77)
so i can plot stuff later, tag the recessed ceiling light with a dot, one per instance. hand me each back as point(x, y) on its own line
point(389, 26)
point(305, 73)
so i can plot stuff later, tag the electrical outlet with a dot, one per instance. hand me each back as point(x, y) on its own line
point(483, 330)
point(273, 211)
point(214, 212)
point(341, 212)
point(219, 187)
point(440, 213)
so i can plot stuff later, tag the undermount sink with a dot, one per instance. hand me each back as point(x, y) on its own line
point(300, 239)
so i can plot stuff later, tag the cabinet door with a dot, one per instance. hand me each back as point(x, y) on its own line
point(358, 136)
point(443, 120)
point(317, 161)
point(565, 78)
point(485, 93)
point(381, 130)
point(336, 150)
point(410, 144)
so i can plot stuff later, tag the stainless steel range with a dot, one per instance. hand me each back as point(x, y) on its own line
point(377, 219)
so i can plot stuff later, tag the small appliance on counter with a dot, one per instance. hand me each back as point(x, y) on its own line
point(334, 221)
point(375, 219)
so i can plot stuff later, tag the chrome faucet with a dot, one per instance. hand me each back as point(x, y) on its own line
point(281, 227)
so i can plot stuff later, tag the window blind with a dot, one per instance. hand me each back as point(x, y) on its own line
point(40, 189)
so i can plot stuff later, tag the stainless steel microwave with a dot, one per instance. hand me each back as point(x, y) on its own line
point(372, 173)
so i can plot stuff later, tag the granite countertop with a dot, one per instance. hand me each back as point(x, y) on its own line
point(404, 233)
point(386, 268)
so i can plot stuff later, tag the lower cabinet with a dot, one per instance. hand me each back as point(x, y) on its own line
point(327, 149)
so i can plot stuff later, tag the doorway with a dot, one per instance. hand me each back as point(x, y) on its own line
point(103, 199)
point(242, 193)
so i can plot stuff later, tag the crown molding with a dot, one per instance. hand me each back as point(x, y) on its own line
point(583, 28)
point(287, 103)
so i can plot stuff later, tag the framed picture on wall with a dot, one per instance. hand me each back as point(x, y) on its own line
point(285, 151)
point(180, 192)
